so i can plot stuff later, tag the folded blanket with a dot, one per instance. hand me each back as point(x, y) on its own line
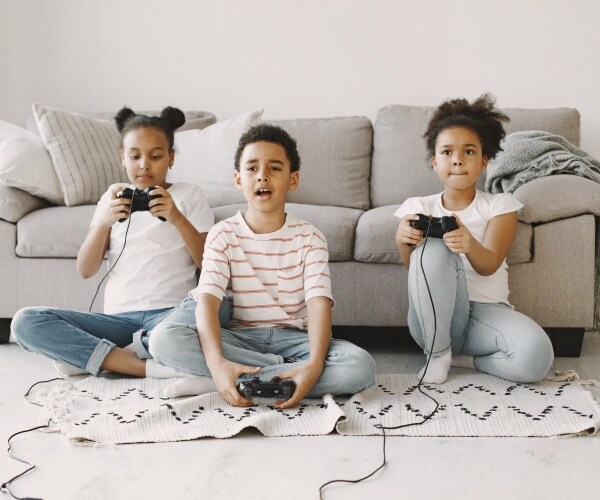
point(533, 154)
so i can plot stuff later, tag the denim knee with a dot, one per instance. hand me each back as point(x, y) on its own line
point(537, 355)
point(436, 256)
point(161, 342)
point(23, 326)
point(358, 369)
point(365, 369)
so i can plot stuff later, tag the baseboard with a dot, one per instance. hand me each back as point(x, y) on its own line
point(4, 330)
point(566, 342)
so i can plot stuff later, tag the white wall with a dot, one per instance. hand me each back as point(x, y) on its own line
point(302, 58)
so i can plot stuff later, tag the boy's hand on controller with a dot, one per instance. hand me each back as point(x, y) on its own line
point(406, 234)
point(225, 375)
point(305, 376)
point(460, 240)
point(118, 208)
point(164, 206)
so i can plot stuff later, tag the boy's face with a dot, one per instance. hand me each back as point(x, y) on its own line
point(265, 177)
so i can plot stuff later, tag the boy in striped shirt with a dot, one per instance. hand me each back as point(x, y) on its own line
point(274, 268)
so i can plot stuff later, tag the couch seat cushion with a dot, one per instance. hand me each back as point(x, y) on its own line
point(53, 231)
point(338, 224)
point(376, 242)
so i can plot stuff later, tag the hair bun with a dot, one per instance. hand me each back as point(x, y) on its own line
point(173, 116)
point(122, 116)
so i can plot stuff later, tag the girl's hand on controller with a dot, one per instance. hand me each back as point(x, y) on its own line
point(118, 208)
point(164, 206)
point(460, 240)
point(406, 234)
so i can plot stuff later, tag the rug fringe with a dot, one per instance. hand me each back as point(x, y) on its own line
point(593, 387)
point(562, 376)
point(55, 401)
point(93, 444)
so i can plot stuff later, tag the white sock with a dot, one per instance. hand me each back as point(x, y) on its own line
point(437, 370)
point(189, 386)
point(156, 370)
point(67, 369)
point(463, 361)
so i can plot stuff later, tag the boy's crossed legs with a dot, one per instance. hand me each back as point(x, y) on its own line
point(348, 368)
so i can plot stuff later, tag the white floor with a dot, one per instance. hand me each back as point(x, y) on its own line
point(250, 466)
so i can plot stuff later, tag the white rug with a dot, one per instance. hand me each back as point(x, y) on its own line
point(105, 410)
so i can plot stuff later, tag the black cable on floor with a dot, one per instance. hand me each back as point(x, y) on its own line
point(5, 486)
point(426, 417)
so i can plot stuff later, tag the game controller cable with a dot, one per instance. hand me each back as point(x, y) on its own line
point(4, 487)
point(121, 253)
point(426, 417)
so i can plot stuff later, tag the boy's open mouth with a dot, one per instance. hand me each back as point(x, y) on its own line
point(262, 192)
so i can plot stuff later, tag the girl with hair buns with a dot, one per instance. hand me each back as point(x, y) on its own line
point(158, 251)
point(458, 285)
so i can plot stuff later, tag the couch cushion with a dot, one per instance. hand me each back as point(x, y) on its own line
point(26, 165)
point(337, 224)
point(376, 242)
point(551, 198)
point(335, 158)
point(206, 157)
point(15, 203)
point(85, 152)
point(401, 166)
point(53, 231)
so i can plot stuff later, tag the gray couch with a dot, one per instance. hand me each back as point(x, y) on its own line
point(354, 175)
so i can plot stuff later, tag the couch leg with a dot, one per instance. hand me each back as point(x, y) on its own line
point(4, 330)
point(566, 342)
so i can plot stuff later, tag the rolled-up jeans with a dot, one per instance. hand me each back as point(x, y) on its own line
point(504, 342)
point(84, 339)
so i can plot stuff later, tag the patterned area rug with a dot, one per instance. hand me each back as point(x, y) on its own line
point(105, 410)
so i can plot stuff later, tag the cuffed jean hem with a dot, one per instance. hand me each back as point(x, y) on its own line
point(140, 343)
point(98, 355)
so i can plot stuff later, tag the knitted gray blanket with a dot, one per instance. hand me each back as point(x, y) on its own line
point(533, 154)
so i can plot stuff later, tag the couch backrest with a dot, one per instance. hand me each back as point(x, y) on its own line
point(335, 158)
point(401, 167)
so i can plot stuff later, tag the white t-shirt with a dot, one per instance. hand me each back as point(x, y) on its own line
point(155, 269)
point(475, 217)
point(269, 276)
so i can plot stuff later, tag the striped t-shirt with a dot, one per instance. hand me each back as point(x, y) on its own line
point(269, 277)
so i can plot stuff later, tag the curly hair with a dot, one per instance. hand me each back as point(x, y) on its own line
point(269, 133)
point(481, 116)
point(169, 120)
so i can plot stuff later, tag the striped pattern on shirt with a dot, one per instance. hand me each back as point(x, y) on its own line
point(269, 277)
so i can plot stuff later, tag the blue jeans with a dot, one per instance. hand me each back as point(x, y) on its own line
point(504, 342)
point(84, 339)
point(348, 369)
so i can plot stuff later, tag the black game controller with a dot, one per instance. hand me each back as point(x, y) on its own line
point(438, 226)
point(139, 200)
point(251, 386)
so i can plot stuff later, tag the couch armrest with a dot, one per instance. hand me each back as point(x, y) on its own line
point(558, 197)
point(15, 203)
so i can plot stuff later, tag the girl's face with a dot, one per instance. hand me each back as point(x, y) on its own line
point(146, 157)
point(459, 159)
